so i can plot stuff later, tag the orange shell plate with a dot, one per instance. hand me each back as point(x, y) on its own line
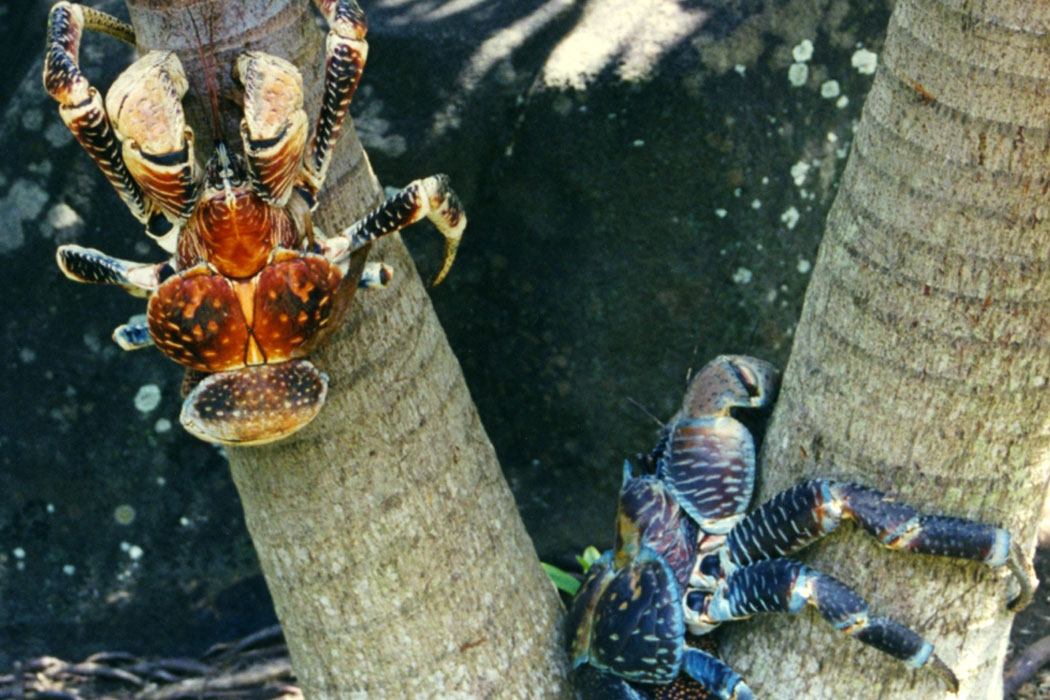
point(196, 320)
point(295, 302)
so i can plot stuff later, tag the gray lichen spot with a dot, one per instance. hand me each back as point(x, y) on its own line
point(23, 202)
point(147, 398)
point(864, 61)
point(124, 514)
point(790, 217)
point(57, 134)
point(798, 74)
point(803, 51)
point(32, 119)
point(62, 222)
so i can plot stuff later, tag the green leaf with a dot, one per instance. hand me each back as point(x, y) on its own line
point(562, 580)
point(587, 559)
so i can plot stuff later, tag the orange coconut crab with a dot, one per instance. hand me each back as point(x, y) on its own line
point(251, 286)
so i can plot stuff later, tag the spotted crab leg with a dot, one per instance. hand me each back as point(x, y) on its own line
point(429, 197)
point(80, 104)
point(808, 511)
point(345, 53)
point(783, 585)
point(92, 266)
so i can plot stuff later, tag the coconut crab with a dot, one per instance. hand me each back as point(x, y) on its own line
point(251, 286)
point(688, 555)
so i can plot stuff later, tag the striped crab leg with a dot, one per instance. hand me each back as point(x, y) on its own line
point(80, 104)
point(808, 511)
point(430, 197)
point(345, 53)
point(783, 585)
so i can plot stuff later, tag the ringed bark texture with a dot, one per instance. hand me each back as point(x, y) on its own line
point(389, 539)
point(921, 361)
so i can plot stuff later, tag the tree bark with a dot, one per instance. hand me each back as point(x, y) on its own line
point(920, 364)
point(389, 539)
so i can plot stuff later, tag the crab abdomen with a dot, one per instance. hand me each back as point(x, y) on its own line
point(196, 319)
point(297, 300)
point(208, 322)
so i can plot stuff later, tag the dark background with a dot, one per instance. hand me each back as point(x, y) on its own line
point(624, 230)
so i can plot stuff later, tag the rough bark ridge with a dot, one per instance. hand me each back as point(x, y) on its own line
point(389, 538)
point(921, 361)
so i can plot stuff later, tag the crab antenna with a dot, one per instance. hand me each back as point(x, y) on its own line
point(212, 85)
point(645, 410)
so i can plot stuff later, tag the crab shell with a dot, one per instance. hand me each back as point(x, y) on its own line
point(247, 321)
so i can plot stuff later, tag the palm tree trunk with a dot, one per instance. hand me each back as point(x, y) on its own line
point(389, 539)
point(921, 361)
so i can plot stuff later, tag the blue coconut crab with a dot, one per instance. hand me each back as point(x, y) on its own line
point(688, 555)
point(251, 286)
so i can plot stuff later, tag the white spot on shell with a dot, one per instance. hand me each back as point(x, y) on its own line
point(864, 61)
point(69, 569)
point(842, 102)
point(742, 275)
point(19, 553)
point(803, 266)
point(135, 552)
point(721, 213)
point(830, 89)
point(162, 425)
point(790, 217)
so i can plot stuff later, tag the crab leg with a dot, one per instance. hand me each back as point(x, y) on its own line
point(274, 127)
point(783, 585)
point(80, 105)
point(808, 511)
point(375, 276)
point(430, 197)
point(133, 335)
point(95, 267)
point(345, 54)
point(716, 677)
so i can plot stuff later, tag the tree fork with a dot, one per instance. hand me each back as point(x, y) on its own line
point(389, 539)
point(920, 364)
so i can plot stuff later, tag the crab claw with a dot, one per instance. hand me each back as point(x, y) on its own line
point(256, 404)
